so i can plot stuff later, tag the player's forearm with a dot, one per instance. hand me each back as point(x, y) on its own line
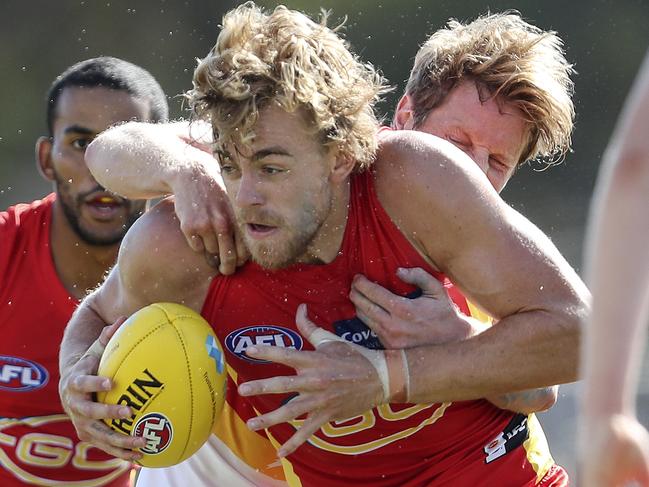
point(615, 336)
point(526, 402)
point(524, 351)
point(82, 330)
point(144, 160)
point(617, 262)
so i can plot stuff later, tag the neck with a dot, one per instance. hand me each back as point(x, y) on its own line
point(79, 265)
point(327, 243)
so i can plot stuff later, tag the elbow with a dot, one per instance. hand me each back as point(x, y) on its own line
point(569, 323)
point(101, 151)
point(547, 399)
point(110, 149)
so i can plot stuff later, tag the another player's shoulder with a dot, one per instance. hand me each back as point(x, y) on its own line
point(24, 225)
point(23, 214)
point(155, 249)
point(418, 156)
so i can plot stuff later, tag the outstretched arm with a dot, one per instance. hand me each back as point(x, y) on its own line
point(141, 277)
point(147, 160)
point(614, 447)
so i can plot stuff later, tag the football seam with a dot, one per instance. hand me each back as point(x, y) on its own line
point(137, 343)
point(172, 321)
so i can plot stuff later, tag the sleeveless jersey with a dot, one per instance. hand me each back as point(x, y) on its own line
point(464, 444)
point(38, 444)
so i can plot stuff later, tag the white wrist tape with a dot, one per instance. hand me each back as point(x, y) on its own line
point(391, 366)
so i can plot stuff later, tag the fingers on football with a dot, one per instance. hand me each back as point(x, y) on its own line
point(113, 443)
point(87, 384)
point(108, 331)
point(97, 410)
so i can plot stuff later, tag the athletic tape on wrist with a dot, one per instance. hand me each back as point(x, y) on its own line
point(398, 375)
point(391, 366)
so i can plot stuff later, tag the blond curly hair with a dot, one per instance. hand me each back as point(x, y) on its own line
point(286, 58)
point(516, 62)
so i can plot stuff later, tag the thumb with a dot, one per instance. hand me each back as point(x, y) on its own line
point(416, 276)
point(316, 335)
point(108, 331)
point(304, 324)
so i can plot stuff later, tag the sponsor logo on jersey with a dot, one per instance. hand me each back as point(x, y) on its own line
point(157, 430)
point(21, 375)
point(513, 436)
point(355, 331)
point(277, 336)
point(138, 394)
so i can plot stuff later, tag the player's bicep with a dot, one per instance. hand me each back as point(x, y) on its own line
point(506, 264)
point(499, 259)
point(155, 264)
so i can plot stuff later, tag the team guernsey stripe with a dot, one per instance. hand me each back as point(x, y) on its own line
point(291, 479)
point(536, 446)
point(247, 445)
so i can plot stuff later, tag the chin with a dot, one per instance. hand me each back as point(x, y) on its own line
point(272, 262)
point(270, 257)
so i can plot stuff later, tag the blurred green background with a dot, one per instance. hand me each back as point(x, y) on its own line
point(605, 39)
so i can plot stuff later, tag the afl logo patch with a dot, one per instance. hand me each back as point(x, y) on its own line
point(21, 375)
point(278, 336)
point(156, 429)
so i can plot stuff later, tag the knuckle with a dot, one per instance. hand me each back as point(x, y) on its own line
point(399, 308)
point(229, 258)
point(318, 381)
point(221, 225)
point(85, 409)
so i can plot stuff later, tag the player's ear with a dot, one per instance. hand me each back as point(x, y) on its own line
point(342, 168)
point(403, 116)
point(44, 157)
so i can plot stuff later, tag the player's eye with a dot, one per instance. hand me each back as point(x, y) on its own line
point(271, 170)
point(458, 141)
point(81, 144)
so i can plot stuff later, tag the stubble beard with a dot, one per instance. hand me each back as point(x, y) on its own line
point(72, 210)
point(295, 245)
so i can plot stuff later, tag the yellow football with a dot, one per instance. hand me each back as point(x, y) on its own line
point(168, 367)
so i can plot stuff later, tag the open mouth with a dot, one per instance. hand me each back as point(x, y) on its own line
point(260, 228)
point(257, 230)
point(104, 205)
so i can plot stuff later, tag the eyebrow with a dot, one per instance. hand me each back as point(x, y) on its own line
point(270, 151)
point(78, 129)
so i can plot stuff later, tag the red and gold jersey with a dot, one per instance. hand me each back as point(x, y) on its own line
point(466, 443)
point(38, 444)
